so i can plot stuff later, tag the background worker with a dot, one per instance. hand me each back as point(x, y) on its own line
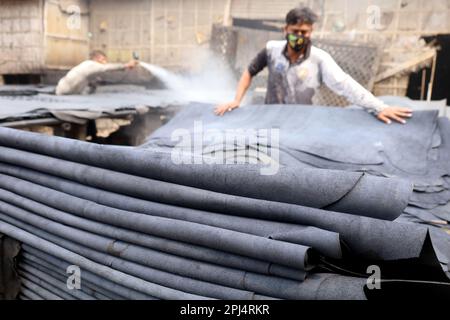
point(79, 78)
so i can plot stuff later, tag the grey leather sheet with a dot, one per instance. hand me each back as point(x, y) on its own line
point(343, 191)
point(347, 140)
point(340, 135)
point(108, 99)
point(18, 102)
point(144, 226)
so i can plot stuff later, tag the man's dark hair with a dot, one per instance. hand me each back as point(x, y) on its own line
point(301, 15)
point(96, 53)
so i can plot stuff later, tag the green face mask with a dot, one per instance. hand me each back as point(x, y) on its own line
point(297, 43)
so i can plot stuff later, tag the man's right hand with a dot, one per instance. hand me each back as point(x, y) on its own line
point(226, 107)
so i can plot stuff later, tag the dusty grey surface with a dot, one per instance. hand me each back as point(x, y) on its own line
point(143, 226)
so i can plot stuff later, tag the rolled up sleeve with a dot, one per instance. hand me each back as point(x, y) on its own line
point(258, 63)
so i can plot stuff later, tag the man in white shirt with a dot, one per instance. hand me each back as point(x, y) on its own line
point(297, 69)
point(78, 78)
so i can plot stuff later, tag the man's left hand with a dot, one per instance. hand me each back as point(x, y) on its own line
point(131, 64)
point(398, 114)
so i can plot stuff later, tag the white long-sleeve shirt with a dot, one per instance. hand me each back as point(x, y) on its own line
point(77, 79)
point(296, 83)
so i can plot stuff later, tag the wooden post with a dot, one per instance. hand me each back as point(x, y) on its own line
point(227, 20)
point(433, 72)
point(422, 86)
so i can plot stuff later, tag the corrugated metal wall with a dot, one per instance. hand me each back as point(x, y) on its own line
point(354, 16)
point(21, 28)
point(264, 9)
point(161, 31)
point(66, 40)
point(36, 35)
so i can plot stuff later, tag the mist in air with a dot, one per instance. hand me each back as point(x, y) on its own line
point(212, 81)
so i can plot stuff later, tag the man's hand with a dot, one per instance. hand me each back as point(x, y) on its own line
point(221, 109)
point(394, 113)
point(131, 64)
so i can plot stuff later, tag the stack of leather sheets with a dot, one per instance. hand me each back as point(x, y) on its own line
point(349, 140)
point(142, 226)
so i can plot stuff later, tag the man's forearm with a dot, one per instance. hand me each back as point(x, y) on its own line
point(358, 95)
point(242, 88)
point(343, 84)
point(113, 67)
point(244, 84)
